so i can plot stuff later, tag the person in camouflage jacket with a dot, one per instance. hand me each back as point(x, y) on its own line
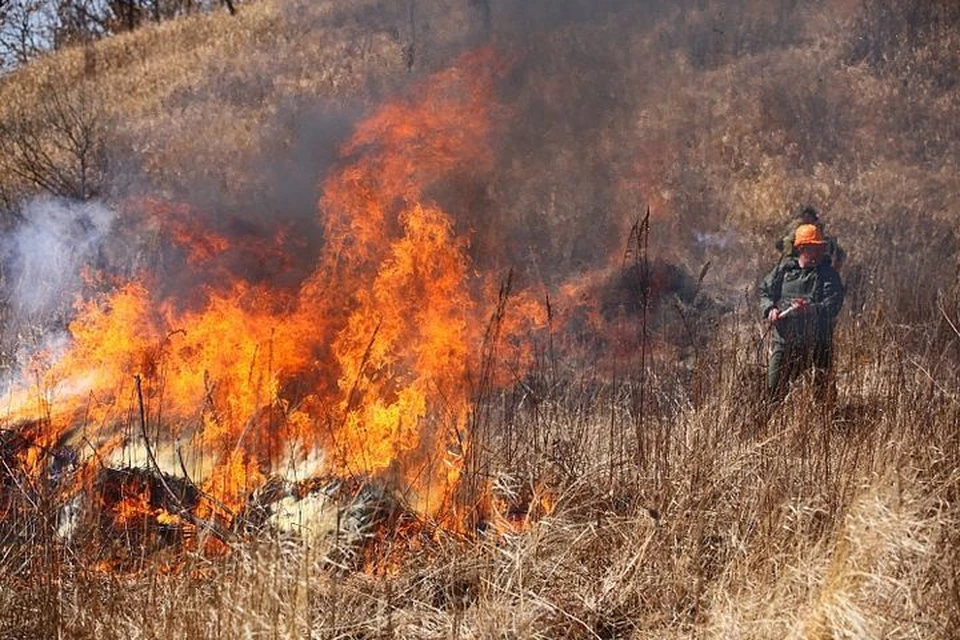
point(801, 298)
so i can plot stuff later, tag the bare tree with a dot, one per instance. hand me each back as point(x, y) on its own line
point(79, 21)
point(125, 15)
point(56, 143)
point(23, 30)
point(410, 49)
point(29, 27)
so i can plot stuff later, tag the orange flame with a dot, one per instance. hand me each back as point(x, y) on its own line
point(369, 361)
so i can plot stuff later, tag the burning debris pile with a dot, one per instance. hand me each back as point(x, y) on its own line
point(124, 515)
point(120, 516)
point(128, 513)
point(365, 359)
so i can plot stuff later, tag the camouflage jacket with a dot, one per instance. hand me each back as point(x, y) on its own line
point(820, 287)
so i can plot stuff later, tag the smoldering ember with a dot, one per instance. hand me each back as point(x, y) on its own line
point(462, 320)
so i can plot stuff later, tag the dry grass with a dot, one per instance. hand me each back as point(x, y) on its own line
point(814, 522)
point(184, 96)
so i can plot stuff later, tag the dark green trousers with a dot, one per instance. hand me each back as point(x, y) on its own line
point(789, 360)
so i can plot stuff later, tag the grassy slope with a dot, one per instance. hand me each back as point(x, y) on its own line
point(807, 524)
point(186, 95)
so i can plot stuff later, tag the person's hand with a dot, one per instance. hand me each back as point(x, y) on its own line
point(773, 315)
point(801, 306)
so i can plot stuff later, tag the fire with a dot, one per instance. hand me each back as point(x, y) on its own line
point(399, 277)
point(368, 361)
point(133, 509)
point(405, 345)
point(509, 509)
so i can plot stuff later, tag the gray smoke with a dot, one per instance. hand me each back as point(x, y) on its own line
point(44, 257)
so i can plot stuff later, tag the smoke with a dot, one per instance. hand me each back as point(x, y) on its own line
point(44, 257)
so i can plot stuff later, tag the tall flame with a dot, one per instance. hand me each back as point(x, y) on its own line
point(400, 276)
point(368, 360)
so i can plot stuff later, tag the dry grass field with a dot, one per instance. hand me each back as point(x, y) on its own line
point(427, 319)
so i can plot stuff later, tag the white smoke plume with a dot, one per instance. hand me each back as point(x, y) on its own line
point(44, 256)
point(41, 264)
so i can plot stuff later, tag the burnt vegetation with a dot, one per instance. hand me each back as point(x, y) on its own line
point(622, 476)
